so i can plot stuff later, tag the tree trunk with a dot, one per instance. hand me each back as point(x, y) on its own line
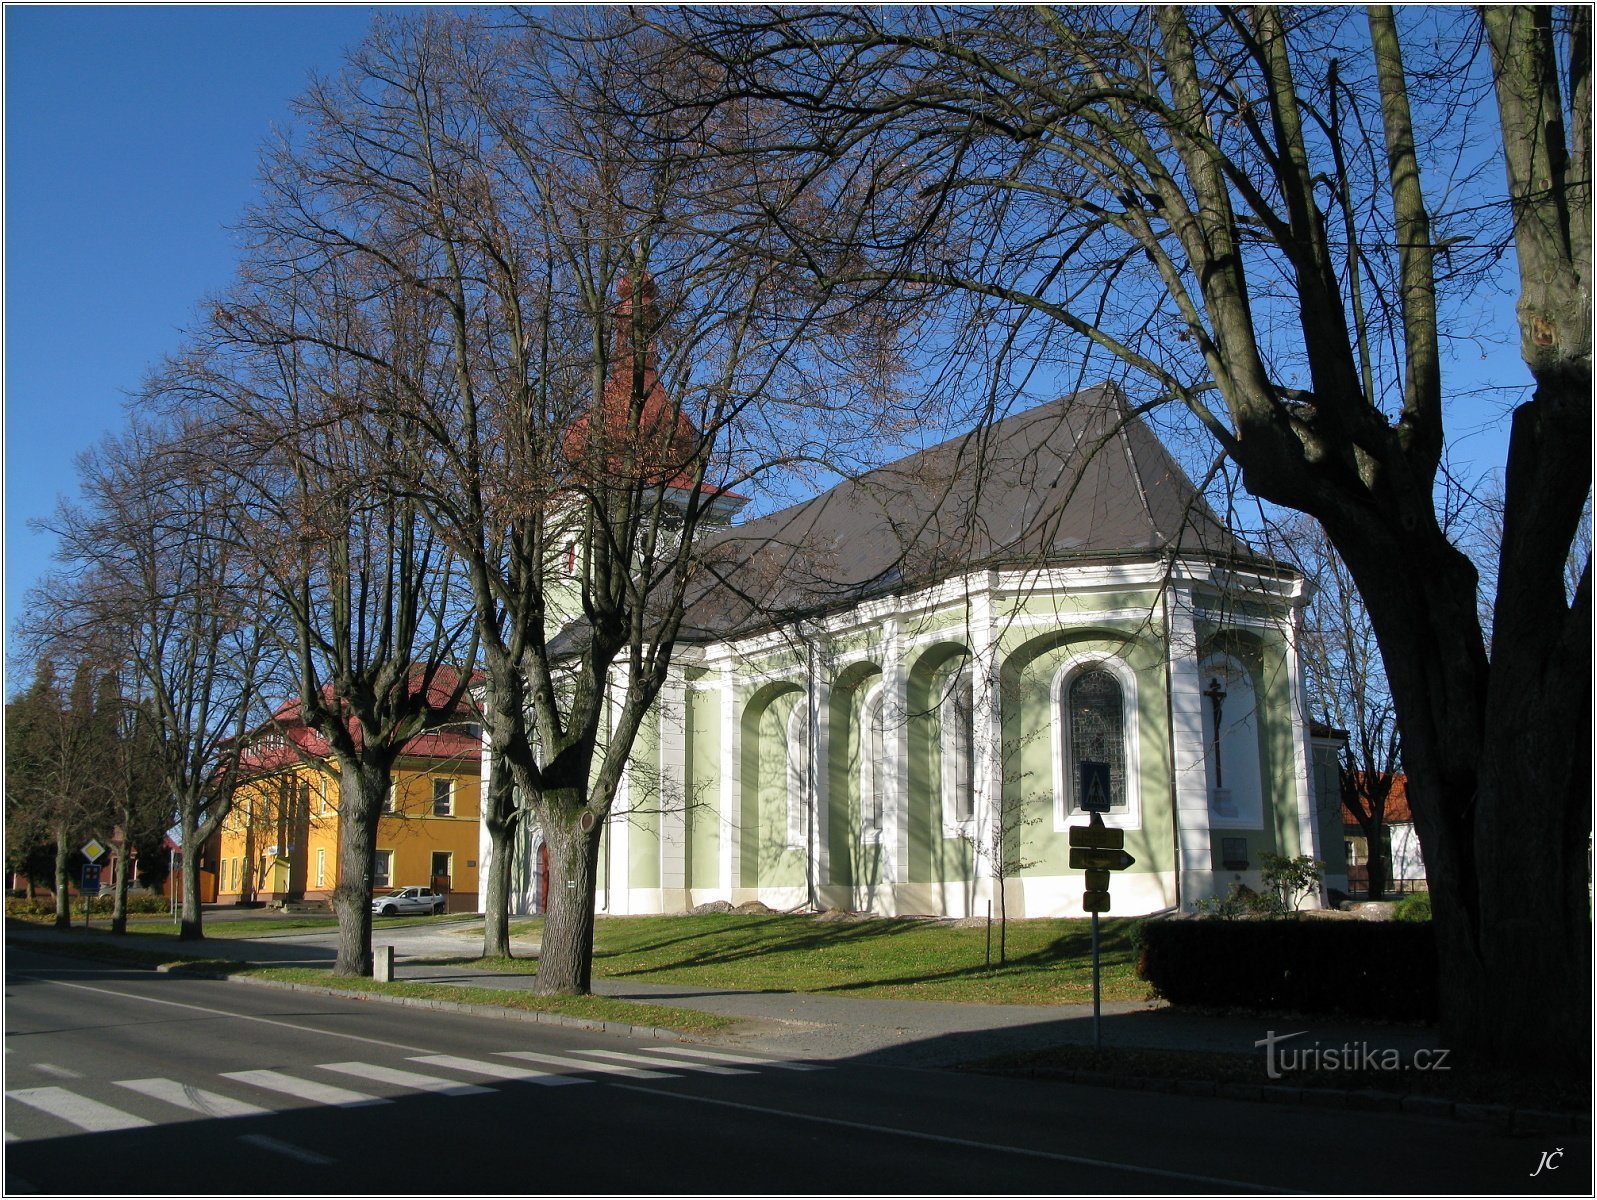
point(193, 927)
point(63, 899)
point(499, 817)
point(119, 903)
point(363, 783)
point(565, 960)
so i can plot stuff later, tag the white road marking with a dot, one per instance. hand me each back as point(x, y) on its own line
point(661, 1061)
point(736, 1060)
point(305, 1089)
point(58, 1072)
point(287, 1149)
point(495, 1070)
point(222, 1012)
point(78, 1110)
point(410, 1079)
point(582, 1064)
point(208, 1104)
point(1224, 1185)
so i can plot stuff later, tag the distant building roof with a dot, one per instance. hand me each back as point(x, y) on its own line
point(286, 739)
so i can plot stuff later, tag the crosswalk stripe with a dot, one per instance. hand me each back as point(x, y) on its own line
point(208, 1104)
point(304, 1089)
point(661, 1061)
point(78, 1110)
point(581, 1064)
point(736, 1060)
point(494, 1070)
point(410, 1079)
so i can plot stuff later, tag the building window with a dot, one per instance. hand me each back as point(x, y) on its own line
point(955, 718)
point(798, 774)
point(390, 799)
point(443, 797)
point(873, 766)
point(321, 867)
point(442, 861)
point(324, 806)
point(1096, 711)
point(383, 870)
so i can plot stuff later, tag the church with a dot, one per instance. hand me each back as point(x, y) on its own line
point(883, 700)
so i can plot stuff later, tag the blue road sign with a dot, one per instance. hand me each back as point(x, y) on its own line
point(90, 885)
point(1094, 793)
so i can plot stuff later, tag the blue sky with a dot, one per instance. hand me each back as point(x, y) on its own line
point(130, 147)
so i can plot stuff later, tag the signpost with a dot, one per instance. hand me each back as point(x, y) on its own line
point(89, 884)
point(1097, 850)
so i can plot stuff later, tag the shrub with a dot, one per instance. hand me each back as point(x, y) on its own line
point(1359, 968)
point(1416, 906)
point(1292, 879)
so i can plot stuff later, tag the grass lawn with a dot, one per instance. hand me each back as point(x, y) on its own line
point(1049, 961)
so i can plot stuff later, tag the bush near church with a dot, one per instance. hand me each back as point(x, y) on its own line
point(1383, 969)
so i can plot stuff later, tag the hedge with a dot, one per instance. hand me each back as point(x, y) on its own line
point(1383, 969)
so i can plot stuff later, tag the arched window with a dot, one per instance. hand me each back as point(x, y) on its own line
point(955, 717)
point(798, 773)
point(872, 766)
point(1096, 708)
point(1231, 743)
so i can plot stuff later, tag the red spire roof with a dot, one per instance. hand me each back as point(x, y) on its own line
point(666, 441)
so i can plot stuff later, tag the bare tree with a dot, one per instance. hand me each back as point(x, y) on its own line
point(153, 568)
point(1277, 218)
point(592, 359)
point(1347, 688)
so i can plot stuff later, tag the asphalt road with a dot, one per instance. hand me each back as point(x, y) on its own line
point(121, 1081)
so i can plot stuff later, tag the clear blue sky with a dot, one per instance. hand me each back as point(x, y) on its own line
point(130, 147)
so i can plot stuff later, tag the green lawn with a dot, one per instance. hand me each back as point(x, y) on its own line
point(1049, 961)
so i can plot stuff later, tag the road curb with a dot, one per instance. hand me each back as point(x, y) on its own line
point(495, 1011)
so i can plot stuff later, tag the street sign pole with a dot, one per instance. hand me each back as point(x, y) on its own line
point(1097, 1014)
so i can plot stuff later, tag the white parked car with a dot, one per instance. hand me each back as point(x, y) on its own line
point(408, 900)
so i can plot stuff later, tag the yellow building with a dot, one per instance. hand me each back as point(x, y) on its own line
point(280, 842)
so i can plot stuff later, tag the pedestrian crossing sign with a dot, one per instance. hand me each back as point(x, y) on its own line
point(1094, 793)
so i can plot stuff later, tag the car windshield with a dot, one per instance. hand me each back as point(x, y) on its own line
point(395, 895)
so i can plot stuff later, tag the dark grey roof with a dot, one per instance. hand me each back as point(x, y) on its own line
point(1077, 479)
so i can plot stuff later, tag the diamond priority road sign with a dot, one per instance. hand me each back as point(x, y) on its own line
point(92, 849)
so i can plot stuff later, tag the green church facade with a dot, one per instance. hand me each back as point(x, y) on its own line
point(894, 723)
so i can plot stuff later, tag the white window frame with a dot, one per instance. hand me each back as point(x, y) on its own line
point(956, 751)
point(391, 800)
point(1059, 719)
point(798, 773)
point(387, 878)
point(448, 779)
point(873, 765)
point(321, 866)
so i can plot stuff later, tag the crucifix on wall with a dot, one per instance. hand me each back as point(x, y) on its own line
point(1216, 694)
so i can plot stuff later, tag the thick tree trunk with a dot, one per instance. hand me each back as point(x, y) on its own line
point(1499, 788)
point(362, 785)
point(498, 816)
point(565, 959)
point(63, 900)
point(192, 928)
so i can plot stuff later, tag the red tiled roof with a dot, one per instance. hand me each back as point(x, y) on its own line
point(287, 739)
point(1396, 811)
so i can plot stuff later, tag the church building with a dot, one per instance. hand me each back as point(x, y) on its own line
point(883, 701)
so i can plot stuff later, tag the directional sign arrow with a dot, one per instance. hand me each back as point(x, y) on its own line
point(1082, 859)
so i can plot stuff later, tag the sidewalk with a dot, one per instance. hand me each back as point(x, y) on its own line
point(829, 1026)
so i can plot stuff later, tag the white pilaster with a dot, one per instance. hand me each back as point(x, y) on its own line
point(673, 791)
point(731, 782)
point(1302, 752)
point(987, 740)
point(820, 698)
point(1193, 834)
point(895, 748)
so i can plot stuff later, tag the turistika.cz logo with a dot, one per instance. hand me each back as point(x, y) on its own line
point(1346, 1056)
